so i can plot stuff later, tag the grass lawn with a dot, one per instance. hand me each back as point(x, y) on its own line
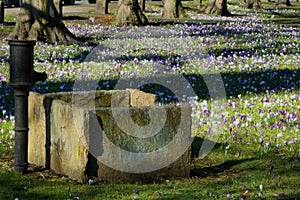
point(256, 54)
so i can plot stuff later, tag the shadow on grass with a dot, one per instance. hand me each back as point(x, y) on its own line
point(216, 169)
point(252, 51)
point(13, 185)
point(212, 169)
point(196, 145)
point(73, 17)
point(253, 82)
point(234, 83)
point(8, 24)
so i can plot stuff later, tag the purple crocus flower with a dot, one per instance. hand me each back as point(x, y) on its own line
point(243, 117)
point(206, 112)
point(282, 112)
point(281, 194)
point(240, 152)
point(272, 126)
point(232, 119)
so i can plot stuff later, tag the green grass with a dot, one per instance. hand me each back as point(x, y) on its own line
point(9, 18)
point(6, 28)
point(6, 145)
point(236, 170)
point(213, 178)
point(232, 167)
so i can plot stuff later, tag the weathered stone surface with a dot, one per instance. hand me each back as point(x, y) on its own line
point(179, 169)
point(69, 154)
point(77, 134)
point(179, 161)
point(94, 99)
point(37, 129)
point(139, 98)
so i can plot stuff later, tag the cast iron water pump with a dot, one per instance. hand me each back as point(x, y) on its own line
point(22, 78)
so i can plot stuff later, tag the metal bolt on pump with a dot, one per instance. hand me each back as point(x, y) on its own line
point(22, 78)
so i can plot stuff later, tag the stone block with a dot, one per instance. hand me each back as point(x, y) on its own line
point(37, 129)
point(171, 162)
point(68, 151)
point(82, 136)
point(139, 98)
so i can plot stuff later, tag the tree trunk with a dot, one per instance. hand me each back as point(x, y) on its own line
point(142, 4)
point(218, 7)
point(130, 13)
point(284, 2)
point(173, 9)
point(39, 20)
point(198, 3)
point(102, 6)
point(253, 4)
point(58, 6)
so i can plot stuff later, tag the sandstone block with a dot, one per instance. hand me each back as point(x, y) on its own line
point(139, 98)
point(86, 137)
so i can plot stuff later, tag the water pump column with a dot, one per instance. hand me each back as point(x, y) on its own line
point(22, 78)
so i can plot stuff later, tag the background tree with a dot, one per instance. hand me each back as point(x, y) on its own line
point(130, 13)
point(142, 4)
point(284, 2)
point(39, 20)
point(198, 3)
point(102, 6)
point(173, 9)
point(253, 4)
point(218, 7)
